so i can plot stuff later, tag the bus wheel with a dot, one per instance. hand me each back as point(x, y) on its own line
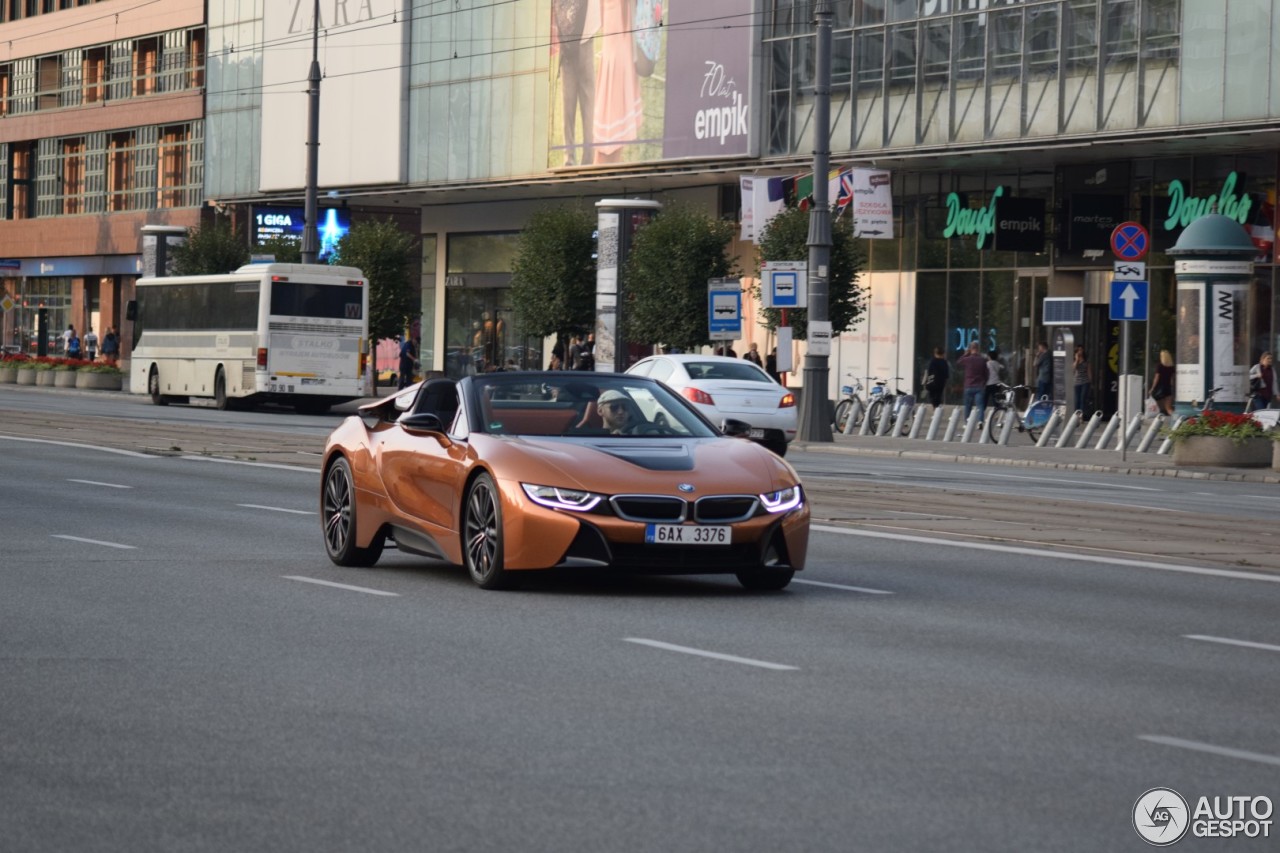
point(220, 391)
point(153, 385)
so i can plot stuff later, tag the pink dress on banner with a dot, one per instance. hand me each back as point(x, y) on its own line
point(619, 110)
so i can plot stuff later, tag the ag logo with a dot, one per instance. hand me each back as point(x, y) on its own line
point(1161, 816)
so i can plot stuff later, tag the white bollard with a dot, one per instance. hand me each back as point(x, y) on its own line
point(1152, 432)
point(917, 421)
point(1127, 436)
point(934, 422)
point(1089, 429)
point(1167, 444)
point(1006, 429)
point(1068, 427)
point(866, 423)
point(969, 426)
point(854, 409)
point(952, 425)
point(900, 420)
point(1049, 427)
point(886, 416)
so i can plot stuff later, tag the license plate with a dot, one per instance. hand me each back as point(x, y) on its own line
point(755, 432)
point(688, 534)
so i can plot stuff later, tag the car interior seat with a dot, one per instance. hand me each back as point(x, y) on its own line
point(438, 397)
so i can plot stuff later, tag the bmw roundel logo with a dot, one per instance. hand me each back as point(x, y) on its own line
point(685, 487)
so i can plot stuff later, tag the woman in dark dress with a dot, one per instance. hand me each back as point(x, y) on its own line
point(936, 376)
point(1162, 383)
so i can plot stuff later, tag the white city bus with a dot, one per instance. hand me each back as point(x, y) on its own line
point(289, 333)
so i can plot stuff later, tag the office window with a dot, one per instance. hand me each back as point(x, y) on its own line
point(121, 153)
point(22, 158)
point(72, 178)
point(146, 62)
point(94, 70)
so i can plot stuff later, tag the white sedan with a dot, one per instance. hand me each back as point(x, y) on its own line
point(722, 387)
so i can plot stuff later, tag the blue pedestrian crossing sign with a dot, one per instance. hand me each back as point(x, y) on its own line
point(1129, 300)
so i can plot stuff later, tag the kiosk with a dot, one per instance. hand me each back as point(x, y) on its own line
point(1213, 266)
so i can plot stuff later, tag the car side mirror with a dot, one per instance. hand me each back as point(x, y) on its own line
point(421, 422)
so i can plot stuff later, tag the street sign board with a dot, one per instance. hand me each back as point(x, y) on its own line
point(724, 309)
point(1131, 270)
point(6, 304)
point(819, 337)
point(785, 284)
point(1130, 241)
point(1129, 300)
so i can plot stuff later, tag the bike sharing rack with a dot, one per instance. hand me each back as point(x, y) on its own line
point(1058, 432)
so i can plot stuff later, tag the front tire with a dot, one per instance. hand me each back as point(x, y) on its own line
point(220, 391)
point(482, 550)
point(766, 579)
point(873, 413)
point(153, 386)
point(338, 517)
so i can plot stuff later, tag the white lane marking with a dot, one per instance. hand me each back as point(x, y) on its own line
point(92, 541)
point(251, 464)
point(132, 453)
point(1055, 481)
point(1227, 641)
point(1227, 751)
point(340, 585)
point(96, 483)
point(278, 509)
point(843, 586)
point(1048, 552)
point(763, 664)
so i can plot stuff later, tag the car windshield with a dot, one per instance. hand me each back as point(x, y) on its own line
point(568, 403)
point(736, 370)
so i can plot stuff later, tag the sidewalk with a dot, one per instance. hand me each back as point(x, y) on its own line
point(1027, 455)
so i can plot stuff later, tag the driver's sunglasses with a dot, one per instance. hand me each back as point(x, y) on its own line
point(616, 406)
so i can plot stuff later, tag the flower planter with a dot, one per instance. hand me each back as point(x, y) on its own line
point(8, 375)
point(45, 378)
point(99, 381)
point(1275, 456)
point(27, 375)
point(1222, 452)
point(64, 378)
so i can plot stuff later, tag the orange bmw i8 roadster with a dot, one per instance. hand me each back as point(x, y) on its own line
point(507, 472)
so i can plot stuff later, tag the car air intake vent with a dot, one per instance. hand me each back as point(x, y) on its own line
point(736, 508)
point(649, 508)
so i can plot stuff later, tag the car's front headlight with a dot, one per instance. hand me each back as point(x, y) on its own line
point(556, 497)
point(783, 499)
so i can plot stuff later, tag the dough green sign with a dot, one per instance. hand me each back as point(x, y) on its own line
point(965, 221)
point(1185, 209)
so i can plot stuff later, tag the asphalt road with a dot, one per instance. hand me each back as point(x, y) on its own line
point(184, 670)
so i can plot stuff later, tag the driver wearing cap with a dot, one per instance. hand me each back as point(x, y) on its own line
point(616, 412)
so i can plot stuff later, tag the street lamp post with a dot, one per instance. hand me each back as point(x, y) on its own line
point(311, 213)
point(814, 423)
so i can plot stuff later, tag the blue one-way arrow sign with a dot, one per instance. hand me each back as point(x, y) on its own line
point(1129, 300)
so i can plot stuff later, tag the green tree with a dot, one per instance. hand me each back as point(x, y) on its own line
point(671, 260)
point(212, 248)
point(385, 255)
point(553, 276)
point(786, 238)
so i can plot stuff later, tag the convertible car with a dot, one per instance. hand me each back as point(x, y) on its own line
point(514, 471)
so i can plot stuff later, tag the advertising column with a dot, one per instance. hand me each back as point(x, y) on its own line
point(617, 221)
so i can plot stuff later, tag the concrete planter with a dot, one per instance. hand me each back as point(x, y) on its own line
point(64, 378)
point(8, 375)
point(45, 378)
point(1221, 452)
point(99, 381)
point(1275, 456)
point(27, 375)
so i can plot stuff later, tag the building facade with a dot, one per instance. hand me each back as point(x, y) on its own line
point(1078, 114)
point(101, 132)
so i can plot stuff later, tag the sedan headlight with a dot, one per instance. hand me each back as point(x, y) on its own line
point(783, 499)
point(556, 497)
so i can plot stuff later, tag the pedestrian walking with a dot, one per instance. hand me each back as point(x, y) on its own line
point(1161, 389)
point(771, 365)
point(1264, 384)
point(994, 371)
point(974, 366)
point(1044, 372)
point(753, 355)
point(1083, 376)
point(73, 345)
point(111, 345)
point(936, 377)
point(90, 344)
point(66, 339)
point(407, 357)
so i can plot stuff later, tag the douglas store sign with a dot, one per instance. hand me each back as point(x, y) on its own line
point(1010, 224)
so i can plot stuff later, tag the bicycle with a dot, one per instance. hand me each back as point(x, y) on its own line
point(1031, 420)
point(1210, 396)
point(850, 394)
point(896, 400)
